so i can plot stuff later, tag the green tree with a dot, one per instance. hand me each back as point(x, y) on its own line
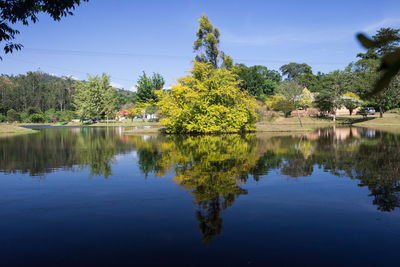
point(109, 102)
point(325, 101)
point(23, 12)
point(350, 105)
point(365, 73)
point(257, 80)
point(279, 103)
point(292, 91)
point(13, 116)
point(336, 84)
point(90, 97)
point(293, 70)
point(208, 100)
point(146, 86)
point(206, 45)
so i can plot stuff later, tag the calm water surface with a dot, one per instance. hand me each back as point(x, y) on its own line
point(101, 196)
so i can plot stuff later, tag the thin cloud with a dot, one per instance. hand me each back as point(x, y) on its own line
point(116, 85)
point(133, 88)
point(383, 23)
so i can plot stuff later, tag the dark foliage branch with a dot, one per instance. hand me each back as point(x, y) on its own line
point(390, 61)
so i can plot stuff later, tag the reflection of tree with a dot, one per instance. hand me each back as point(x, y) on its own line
point(52, 149)
point(214, 168)
point(211, 168)
point(373, 161)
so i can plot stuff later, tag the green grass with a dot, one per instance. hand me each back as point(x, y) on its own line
point(389, 121)
point(7, 129)
point(292, 124)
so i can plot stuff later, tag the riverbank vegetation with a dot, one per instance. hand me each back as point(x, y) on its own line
point(7, 129)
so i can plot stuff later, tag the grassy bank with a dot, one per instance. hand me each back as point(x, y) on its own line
point(292, 124)
point(390, 122)
point(7, 129)
point(112, 123)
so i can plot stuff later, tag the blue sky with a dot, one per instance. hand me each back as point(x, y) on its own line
point(124, 38)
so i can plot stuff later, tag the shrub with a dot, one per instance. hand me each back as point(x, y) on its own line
point(12, 116)
point(24, 116)
point(36, 118)
point(50, 115)
point(279, 103)
point(2, 118)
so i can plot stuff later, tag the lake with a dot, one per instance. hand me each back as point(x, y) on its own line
point(103, 196)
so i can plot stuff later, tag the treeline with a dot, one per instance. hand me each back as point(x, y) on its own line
point(39, 97)
point(215, 96)
point(356, 80)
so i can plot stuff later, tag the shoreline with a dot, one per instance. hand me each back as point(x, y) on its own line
point(390, 123)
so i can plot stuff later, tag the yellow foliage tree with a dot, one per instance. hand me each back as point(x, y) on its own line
point(305, 99)
point(207, 101)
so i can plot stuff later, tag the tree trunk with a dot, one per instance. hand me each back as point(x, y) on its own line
point(298, 115)
point(334, 115)
point(380, 112)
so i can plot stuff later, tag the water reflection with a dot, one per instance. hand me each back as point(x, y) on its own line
point(215, 169)
point(63, 148)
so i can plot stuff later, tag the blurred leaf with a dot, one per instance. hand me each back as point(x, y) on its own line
point(365, 41)
point(386, 78)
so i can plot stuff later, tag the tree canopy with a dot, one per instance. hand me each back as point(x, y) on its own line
point(207, 45)
point(208, 100)
point(257, 80)
point(293, 70)
point(93, 97)
point(146, 86)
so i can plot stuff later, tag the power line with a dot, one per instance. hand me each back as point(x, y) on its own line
point(136, 55)
point(64, 69)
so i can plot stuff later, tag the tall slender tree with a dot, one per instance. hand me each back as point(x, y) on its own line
point(207, 45)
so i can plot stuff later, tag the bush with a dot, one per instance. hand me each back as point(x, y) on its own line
point(50, 115)
point(279, 103)
point(12, 116)
point(2, 118)
point(36, 118)
point(24, 116)
point(66, 115)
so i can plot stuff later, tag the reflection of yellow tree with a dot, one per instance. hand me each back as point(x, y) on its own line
point(211, 167)
point(214, 168)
